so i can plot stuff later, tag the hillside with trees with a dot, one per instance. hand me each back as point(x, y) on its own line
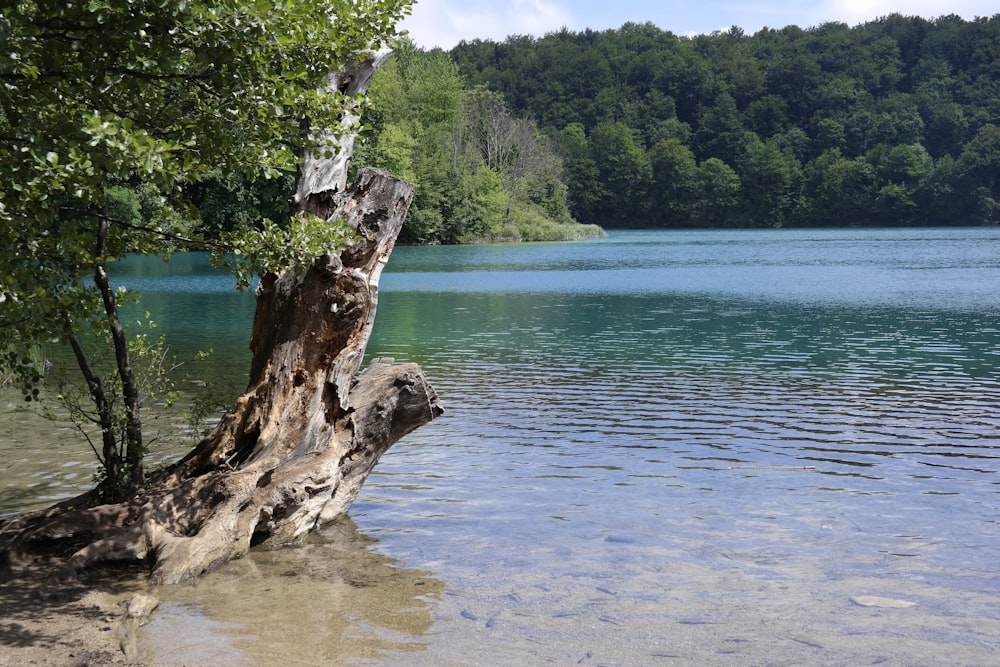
point(481, 172)
point(892, 122)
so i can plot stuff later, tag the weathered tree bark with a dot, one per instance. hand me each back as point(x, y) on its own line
point(300, 442)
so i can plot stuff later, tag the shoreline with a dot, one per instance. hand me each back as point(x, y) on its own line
point(63, 624)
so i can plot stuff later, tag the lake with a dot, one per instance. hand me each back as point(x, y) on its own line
point(692, 447)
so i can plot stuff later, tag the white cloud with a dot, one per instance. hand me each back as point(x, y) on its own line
point(538, 17)
point(446, 22)
point(853, 12)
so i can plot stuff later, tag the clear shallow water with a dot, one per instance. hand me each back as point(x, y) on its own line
point(688, 448)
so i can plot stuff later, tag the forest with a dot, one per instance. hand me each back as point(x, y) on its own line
point(892, 122)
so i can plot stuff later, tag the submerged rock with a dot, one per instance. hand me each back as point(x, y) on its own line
point(137, 612)
point(876, 601)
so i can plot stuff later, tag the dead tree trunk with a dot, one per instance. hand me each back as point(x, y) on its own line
point(301, 441)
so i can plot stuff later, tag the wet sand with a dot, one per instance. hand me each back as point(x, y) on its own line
point(78, 624)
point(44, 624)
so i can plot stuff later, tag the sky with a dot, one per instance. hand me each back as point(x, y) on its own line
point(444, 23)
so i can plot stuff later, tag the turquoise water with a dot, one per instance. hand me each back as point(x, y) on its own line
point(659, 448)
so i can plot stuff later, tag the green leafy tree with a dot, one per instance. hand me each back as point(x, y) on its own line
point(981, 160)
point(624, 172)
point(718, 195)
point(481, 173)
point(152, 96)
point(481, 209)
point(581, 170)
point(418, 99)
point(838, 191)
point(902, 172)
point(770, 179)
point(675, 184)
point(721, 133)
point(767, 115)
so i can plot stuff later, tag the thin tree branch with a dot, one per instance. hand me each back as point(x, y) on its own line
point(196, 244)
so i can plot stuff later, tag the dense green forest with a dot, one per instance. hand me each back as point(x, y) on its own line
point(892, 122)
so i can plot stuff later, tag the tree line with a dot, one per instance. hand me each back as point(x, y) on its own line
point(892, 122)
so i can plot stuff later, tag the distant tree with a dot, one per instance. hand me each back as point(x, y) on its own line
point(981, 161)
point(675, 185)
point(582, 174)
point(902, 172)
point(721, 132)
point(838, 191)
point(770, 182)
point(623, 172)
point(481, 173)
point(718, 195)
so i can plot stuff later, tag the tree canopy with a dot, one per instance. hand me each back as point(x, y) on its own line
point(891, 122)
point(111, 114)
point(481, 171)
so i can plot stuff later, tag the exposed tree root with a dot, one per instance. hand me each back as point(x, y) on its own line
point(295, 451)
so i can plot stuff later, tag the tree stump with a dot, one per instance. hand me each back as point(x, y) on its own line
point(300, 442)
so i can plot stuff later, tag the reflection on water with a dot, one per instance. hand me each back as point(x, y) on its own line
point(335, 600)
point(692, 446)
